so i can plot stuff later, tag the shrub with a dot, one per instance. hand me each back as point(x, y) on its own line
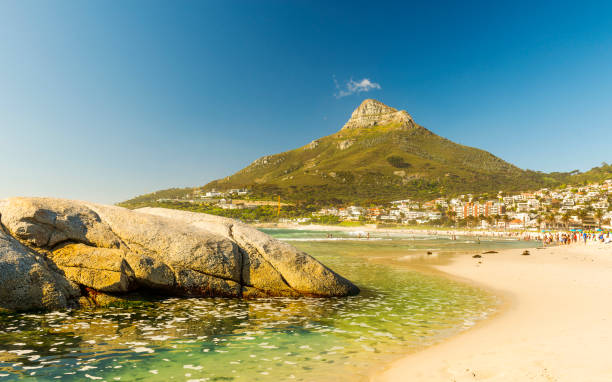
point(398, 162)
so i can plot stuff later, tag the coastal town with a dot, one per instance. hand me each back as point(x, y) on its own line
point(569, 207)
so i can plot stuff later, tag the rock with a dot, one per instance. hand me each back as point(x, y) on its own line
point(106, 249)
point(374, 113)
point(45, 223)
point(269, 264)
point(102, 269)
point(484, 253)
point(150, 272)
point(28, 282)
point(343, 145)
point(313, 145)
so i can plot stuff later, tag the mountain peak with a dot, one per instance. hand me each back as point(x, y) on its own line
point(375, 113)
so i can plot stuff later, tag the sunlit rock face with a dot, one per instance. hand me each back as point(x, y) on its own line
point(69, 249)
point(28, 281)
point(374, 113)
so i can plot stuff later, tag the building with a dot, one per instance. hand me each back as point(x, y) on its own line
point(489, 208)
point(213, 194)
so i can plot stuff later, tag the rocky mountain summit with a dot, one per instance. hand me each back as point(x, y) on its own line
point(57, 253)
point(375, 113)
point(380, 154)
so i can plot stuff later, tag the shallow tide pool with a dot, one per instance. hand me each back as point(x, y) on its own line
point(213, 339)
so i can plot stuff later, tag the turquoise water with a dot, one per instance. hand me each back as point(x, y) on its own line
point(341, 339)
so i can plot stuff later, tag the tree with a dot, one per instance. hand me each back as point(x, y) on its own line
point(470, 220)
point(550, 220)
point(598, 215)
point(451, 214)
point(506, 220)
point(582, 214)
point(566, 218)
point(497, 217)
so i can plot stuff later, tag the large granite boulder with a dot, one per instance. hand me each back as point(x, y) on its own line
point(269, 265)
point(28, 282)
point(68, 246)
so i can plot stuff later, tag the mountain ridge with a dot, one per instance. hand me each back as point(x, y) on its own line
point(381, 154)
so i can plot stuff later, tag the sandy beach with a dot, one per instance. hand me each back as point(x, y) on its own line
point(405, 230)
point(556, 323)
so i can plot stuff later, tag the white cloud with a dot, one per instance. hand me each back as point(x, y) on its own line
point(353, 87)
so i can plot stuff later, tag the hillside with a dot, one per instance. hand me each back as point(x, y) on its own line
point(381, 154)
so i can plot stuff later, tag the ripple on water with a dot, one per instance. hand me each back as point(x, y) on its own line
point(259, 340)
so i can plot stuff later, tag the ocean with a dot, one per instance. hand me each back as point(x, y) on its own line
point(403, 307)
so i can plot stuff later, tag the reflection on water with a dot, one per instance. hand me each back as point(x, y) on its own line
point(212, 339)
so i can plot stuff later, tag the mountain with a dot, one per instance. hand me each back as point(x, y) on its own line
point(380, 154)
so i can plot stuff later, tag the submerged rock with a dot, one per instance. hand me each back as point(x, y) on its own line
point(64, 249)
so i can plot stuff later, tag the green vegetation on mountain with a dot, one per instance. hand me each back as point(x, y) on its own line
point(266, 213)
point(594, 175)
point(148, 199)
point(380, 155)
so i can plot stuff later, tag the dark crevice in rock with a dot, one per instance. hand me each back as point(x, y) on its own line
point(243, 254)
point(95, 269)
point(230, 232)
point(271, 266)
point(121, 241)
point(110, 228)
point(215, 276)
point(2, 227)
point(63, 243)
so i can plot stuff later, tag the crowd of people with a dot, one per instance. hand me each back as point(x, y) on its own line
point(547, 238)
point(566, 238)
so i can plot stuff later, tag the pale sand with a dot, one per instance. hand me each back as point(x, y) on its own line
point(557, 325)
point(492, 233)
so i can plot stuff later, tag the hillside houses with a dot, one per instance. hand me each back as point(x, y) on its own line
point(567, 207)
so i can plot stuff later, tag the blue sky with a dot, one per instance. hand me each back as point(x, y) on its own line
point(104, 100)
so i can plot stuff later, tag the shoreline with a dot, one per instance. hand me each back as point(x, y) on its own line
point(516, 235)
point(553, 324)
